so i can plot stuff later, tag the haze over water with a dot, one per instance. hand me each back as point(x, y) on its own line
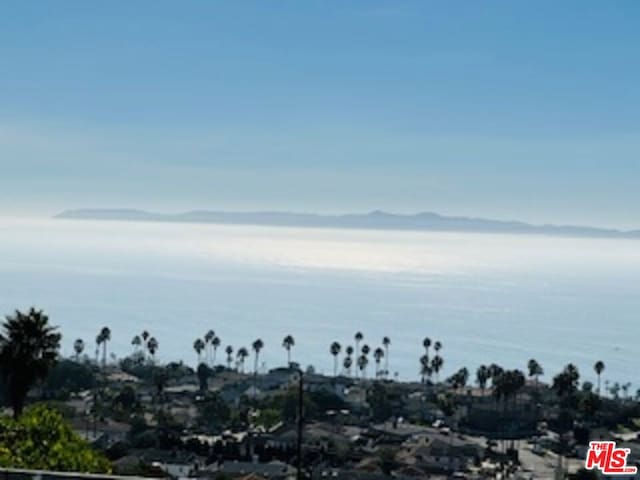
point(487, 298)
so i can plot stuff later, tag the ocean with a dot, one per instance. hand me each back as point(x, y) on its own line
point(488, 298)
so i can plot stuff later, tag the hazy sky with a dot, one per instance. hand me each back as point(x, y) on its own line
point(526, 110)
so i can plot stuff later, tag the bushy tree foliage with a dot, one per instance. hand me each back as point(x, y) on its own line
point(40, 439)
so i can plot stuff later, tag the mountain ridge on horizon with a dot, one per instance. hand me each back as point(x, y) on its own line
point(374, 220)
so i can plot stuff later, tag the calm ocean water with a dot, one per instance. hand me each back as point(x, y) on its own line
point(487, 298)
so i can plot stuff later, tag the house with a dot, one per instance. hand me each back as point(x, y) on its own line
point(101, 433)
point(274, 470)
point(176, 464)
point(356, 397)
point(438, 452)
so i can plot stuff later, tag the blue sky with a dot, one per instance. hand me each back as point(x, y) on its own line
point(525, 110)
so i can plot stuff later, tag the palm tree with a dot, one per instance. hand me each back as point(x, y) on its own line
point(145, 336)
point(199, 346)
point(287, 343)
point(335, 351)
point(625, 389)
point(98, 345)
point(358, 338)
point(136, 341)
point(566, 382)
point(105, 336)
point(436, 365)
point(535, 370)
point(229, 352)
point(215, 343)
point(365, 349)
point(207, 341)
point(425, 368)
point(349, 351)
point(386, 341)
point(363, 361)
point(599, 368)
point(426, 343)
point(28, 350)
point(152, 346)
point(78, 347)
point(242, 354)
point(347, 362)
point(437, 346)
point(257, 346)
point(482, 375)
point(378, 354)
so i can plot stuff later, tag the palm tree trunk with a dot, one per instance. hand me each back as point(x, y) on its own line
point(386, 361)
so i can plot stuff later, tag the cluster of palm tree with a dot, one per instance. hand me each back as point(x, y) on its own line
point(505, 383)
point(360, 357)
point(430, 366)
point(141, 343)
point(209, 343)
point(145, 341)
point(241, 354)
point(459, 379)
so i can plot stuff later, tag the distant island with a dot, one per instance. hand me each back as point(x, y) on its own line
point(376, 220)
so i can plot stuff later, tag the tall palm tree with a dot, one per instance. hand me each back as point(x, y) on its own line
point(437, 346)
point(207, 341)
point(482, 375)
point(425, 368)
point(378, 354)
point(241, 355)
point(335, 351)
point(99, 341)
point(257, 346)
point(358, 338)
point(105, 335)
point(535, 369)
point(78, 347)
point(566, 382)
point(436, 365)
point(229, 352)
point(145, 339)
point(599, 368)
point(426, 343)
point(386, 342)
point(28, 350)
point(347, 363)
point(152, 346)
point(287, 343)
point(215, 343)
point(199, 346)
point(136, 341)
point(363, 361)
point(349, 351)
point(366, 349)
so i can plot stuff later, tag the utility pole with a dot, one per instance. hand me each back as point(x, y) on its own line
point(300, 420)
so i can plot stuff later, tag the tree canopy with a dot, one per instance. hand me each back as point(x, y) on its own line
point(40, 439)
point(28, 351)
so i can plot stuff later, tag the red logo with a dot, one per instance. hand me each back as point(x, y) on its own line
point(609, 459)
